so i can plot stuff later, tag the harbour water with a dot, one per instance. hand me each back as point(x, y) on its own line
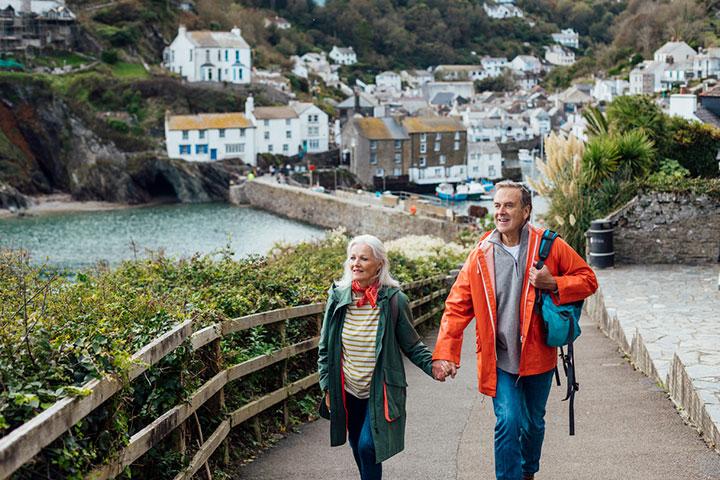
point(79, 240)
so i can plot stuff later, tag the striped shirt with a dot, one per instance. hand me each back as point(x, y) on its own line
point(358, 347)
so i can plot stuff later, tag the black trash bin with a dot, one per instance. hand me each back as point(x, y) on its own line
point(600, 236)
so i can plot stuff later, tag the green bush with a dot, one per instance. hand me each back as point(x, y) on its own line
point(109, 56)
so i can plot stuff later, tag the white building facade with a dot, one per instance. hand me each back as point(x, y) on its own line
point(210, 137)
point(389, 81)
point(567, 38)
point(559, 56)
point(484, 160)
point(343, 56)
point(204, 56)
point(314, 127)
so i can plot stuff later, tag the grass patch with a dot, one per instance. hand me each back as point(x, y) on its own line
point(129, 70)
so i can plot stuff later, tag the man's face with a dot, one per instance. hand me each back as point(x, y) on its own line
point(510, 215)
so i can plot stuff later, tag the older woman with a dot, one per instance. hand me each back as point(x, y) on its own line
point(367, 324)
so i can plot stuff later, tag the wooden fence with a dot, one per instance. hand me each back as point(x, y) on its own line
point(22, 444)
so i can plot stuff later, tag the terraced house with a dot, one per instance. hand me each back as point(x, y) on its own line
point(211, 136)
point(438, 149)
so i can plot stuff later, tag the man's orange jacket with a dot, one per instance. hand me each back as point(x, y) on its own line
point(473, 296)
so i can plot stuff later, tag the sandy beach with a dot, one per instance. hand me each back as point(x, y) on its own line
point(60, 203)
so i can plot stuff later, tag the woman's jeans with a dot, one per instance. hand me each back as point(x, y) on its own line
point(360, 438)
point(520, 423)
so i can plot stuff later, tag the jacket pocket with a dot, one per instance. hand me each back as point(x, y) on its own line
point(394, 394)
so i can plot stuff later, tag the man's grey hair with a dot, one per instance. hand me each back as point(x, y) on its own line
point(379, 252)
point(526, 194)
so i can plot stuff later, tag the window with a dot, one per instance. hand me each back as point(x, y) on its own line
point(457, 135)
point(201, 148)
point(288, 134)
point(191, 55)
point(314, 144)
point(491, 171)
point(437, 146)
point(423, 137)
point(373, 144)
point(313, 131)
point(266, 135)
point(312, 118)
point(476, 169)
point(201, 134)
point(397, 172)
point(242, 132)
point(287, 122)
point(237, 55)
point(423, 147)
point(207, 56)
point(379, 172)
point(185, 134)
point(457, 146)
point(439, 171)
point(423, 161)
point(443, 159)
point(270, 148)
point(221, 133)
point(185, 149)
point(234, 148)
point(226, 55)
point(286, 148)
point(438, 137)
point(266, 123)
point(240, 70)
point(398, 158)
point(373, 158)
point(398, 145)
point(219, 57)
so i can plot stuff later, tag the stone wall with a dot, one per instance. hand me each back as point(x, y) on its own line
point(328, 211)
point(668, 228)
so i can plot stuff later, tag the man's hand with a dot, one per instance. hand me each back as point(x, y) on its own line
point(327, 399)
point(542, 279)
point(442, 368)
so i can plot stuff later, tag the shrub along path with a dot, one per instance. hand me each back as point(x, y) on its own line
point(626, 428)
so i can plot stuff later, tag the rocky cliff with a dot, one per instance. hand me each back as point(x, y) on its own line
point(49, 143)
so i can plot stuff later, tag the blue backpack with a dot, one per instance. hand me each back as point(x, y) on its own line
point(562, 326)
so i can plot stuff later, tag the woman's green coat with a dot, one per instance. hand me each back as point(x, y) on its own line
point(388, 385)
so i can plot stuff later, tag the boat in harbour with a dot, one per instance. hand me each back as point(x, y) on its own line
point(479, 190)
point(445, 191)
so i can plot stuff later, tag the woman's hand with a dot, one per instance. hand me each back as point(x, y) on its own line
point(327, 399)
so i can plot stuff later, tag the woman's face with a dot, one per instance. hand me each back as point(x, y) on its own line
point(363, 264)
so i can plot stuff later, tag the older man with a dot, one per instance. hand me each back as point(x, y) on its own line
point(514, 365)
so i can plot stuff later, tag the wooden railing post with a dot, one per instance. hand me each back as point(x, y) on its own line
point(284, 371)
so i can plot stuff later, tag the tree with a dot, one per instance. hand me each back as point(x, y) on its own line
point(695, 146)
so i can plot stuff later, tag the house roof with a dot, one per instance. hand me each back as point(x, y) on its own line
point(208, 39)
point(706, 116)
point(274, 113)
point(432, 124)
point(344, 50)
point(374, 128)
point(671, 48)
point(300, 107)
point(443, 98)
point(574, 95)
point(205, 121)
point(458, 68)
point(365, 101)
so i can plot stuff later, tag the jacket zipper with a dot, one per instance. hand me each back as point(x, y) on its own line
point(492, 318)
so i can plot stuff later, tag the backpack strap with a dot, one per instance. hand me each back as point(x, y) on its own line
point(546, 243)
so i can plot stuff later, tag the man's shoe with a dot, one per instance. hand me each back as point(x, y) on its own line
point(528, 476)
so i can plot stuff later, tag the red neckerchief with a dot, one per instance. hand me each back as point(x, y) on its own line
point(369, 294)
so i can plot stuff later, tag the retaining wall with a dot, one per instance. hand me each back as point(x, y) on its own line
point(667, 228)
point(329, 211)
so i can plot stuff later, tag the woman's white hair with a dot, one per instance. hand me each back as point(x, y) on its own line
point(379, 252)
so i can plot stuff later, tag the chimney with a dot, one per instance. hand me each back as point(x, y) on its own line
point(250, 107)
point(235, 31)
point(182, 30)
point(356, 92)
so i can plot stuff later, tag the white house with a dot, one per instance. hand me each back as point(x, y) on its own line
point(484, 160)
point(707, 63)
point(683, 105)
point(211, 136)
point(416, 78)
point(567, 38)
point(606, 90)
point(46, 9)
point(502, 11)
point(646, 78)
point(388, 81)
point(314, 127)
point(279, 22)
point(674, 52)
point(526, 64)
point(343, 56)
point(277, 128)
point(460, 89)
point(560, 56)
point(204, 56)
point(540, 122)
point(494, 65)
point(316, 64)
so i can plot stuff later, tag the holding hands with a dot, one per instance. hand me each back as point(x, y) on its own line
point(442, 368)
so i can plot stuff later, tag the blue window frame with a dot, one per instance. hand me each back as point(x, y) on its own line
point(201, 149)
point(226, 55)
point(185, 149)
point(237, 55)
point(240, 73)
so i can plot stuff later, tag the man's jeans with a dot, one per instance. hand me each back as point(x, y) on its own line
point(360, 437)
point(520, 423)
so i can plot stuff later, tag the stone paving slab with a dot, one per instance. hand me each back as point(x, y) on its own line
point(667, 319)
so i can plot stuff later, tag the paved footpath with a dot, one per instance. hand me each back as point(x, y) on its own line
point(626, 428)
